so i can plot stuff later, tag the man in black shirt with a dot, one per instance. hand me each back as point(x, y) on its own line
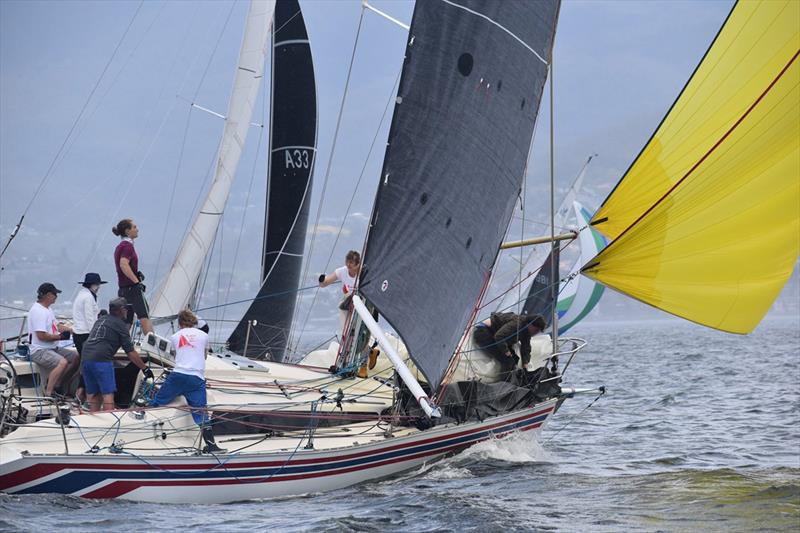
point(497, 335)
point(109, 334)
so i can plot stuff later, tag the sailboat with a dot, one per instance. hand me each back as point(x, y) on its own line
point(681, 222)
point(476, 143)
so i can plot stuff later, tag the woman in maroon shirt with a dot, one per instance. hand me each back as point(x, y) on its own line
point(128, 275)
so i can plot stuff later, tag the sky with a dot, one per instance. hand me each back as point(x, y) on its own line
point(140, 151)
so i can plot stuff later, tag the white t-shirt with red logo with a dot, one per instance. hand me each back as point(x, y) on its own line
point(41, 318)
point(348, 281)
point(190, 351)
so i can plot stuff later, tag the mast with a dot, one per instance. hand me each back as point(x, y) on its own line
point(293, 139)
point(173, 294)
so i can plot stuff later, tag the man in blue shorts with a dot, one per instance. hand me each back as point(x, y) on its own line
point(109, 334)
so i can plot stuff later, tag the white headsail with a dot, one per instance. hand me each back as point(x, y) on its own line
point(173, 294)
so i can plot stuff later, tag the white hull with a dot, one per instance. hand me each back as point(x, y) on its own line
point(270, 468)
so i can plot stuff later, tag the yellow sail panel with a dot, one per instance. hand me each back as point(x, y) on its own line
point(718, 248)
point(755, 43)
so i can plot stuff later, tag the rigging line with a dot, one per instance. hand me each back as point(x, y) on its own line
point(186, 132)
point(509, 32)
point(172, 192)
point(100, 238)
point(332, 153)
point(571, 420)
point(553, 244)
point(68, 215)
point(219, 270)
point(72, 128)
point(214, 51)
point(355, 190)
point(244, 212)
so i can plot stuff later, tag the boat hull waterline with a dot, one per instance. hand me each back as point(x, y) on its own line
point(198, 479)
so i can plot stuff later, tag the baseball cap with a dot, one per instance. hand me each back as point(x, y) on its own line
point(46, 288)
point(117, 303)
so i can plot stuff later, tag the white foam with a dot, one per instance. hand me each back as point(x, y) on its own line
point(516, 448)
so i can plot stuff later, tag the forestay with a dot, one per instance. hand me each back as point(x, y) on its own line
point(293, 136)
point(173, 294)
point(466, 107)
point(706, 220)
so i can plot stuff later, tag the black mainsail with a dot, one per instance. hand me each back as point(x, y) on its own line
point(466, 108)
point(264, 329)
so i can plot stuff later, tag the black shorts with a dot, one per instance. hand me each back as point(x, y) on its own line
point(135, 297)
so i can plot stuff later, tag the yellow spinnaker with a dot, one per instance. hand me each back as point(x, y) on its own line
point(706, 222)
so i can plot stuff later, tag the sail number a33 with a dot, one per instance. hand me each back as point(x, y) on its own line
point(297, 158)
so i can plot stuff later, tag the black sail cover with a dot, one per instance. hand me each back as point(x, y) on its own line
point(293, 136)
point(466, 107)
point(543, 292)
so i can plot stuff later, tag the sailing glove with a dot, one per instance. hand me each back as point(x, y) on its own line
point(140, 276)
point(321, 278)
point(148, 374)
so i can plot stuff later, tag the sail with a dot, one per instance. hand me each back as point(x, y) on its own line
point(539, 253)
point(466, 107)
point(706, 221)
point(173, 293)
point(542, 292)
point(293, 137)
point(577, 296)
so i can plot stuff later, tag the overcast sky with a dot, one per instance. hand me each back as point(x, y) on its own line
point(618, 67)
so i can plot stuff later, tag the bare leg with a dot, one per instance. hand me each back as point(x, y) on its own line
point(108, 402)
point(95, 402)
point(147, 326)
point(55, 376)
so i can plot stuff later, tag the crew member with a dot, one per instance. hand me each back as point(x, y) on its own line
point(128, 275)
point(497, 335)
point(109, 334)
point(348, 275)
point(188, 377)
point(45, 333)
point(84, 314)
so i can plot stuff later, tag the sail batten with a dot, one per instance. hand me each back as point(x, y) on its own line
point(706, 223)
point(458, 143)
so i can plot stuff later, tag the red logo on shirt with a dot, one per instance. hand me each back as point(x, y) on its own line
point(55, 328)
point(183, 341)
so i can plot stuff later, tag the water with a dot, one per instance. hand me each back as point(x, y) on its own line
point(699, 431)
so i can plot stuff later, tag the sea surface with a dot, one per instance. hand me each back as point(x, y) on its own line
point(699, 431)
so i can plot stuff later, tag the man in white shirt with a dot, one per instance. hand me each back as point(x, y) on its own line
point(348, 275)
point(45, 333)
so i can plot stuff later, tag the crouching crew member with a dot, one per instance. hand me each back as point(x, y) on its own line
point(497, 335)
point(188, 377)
point(109, 334)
